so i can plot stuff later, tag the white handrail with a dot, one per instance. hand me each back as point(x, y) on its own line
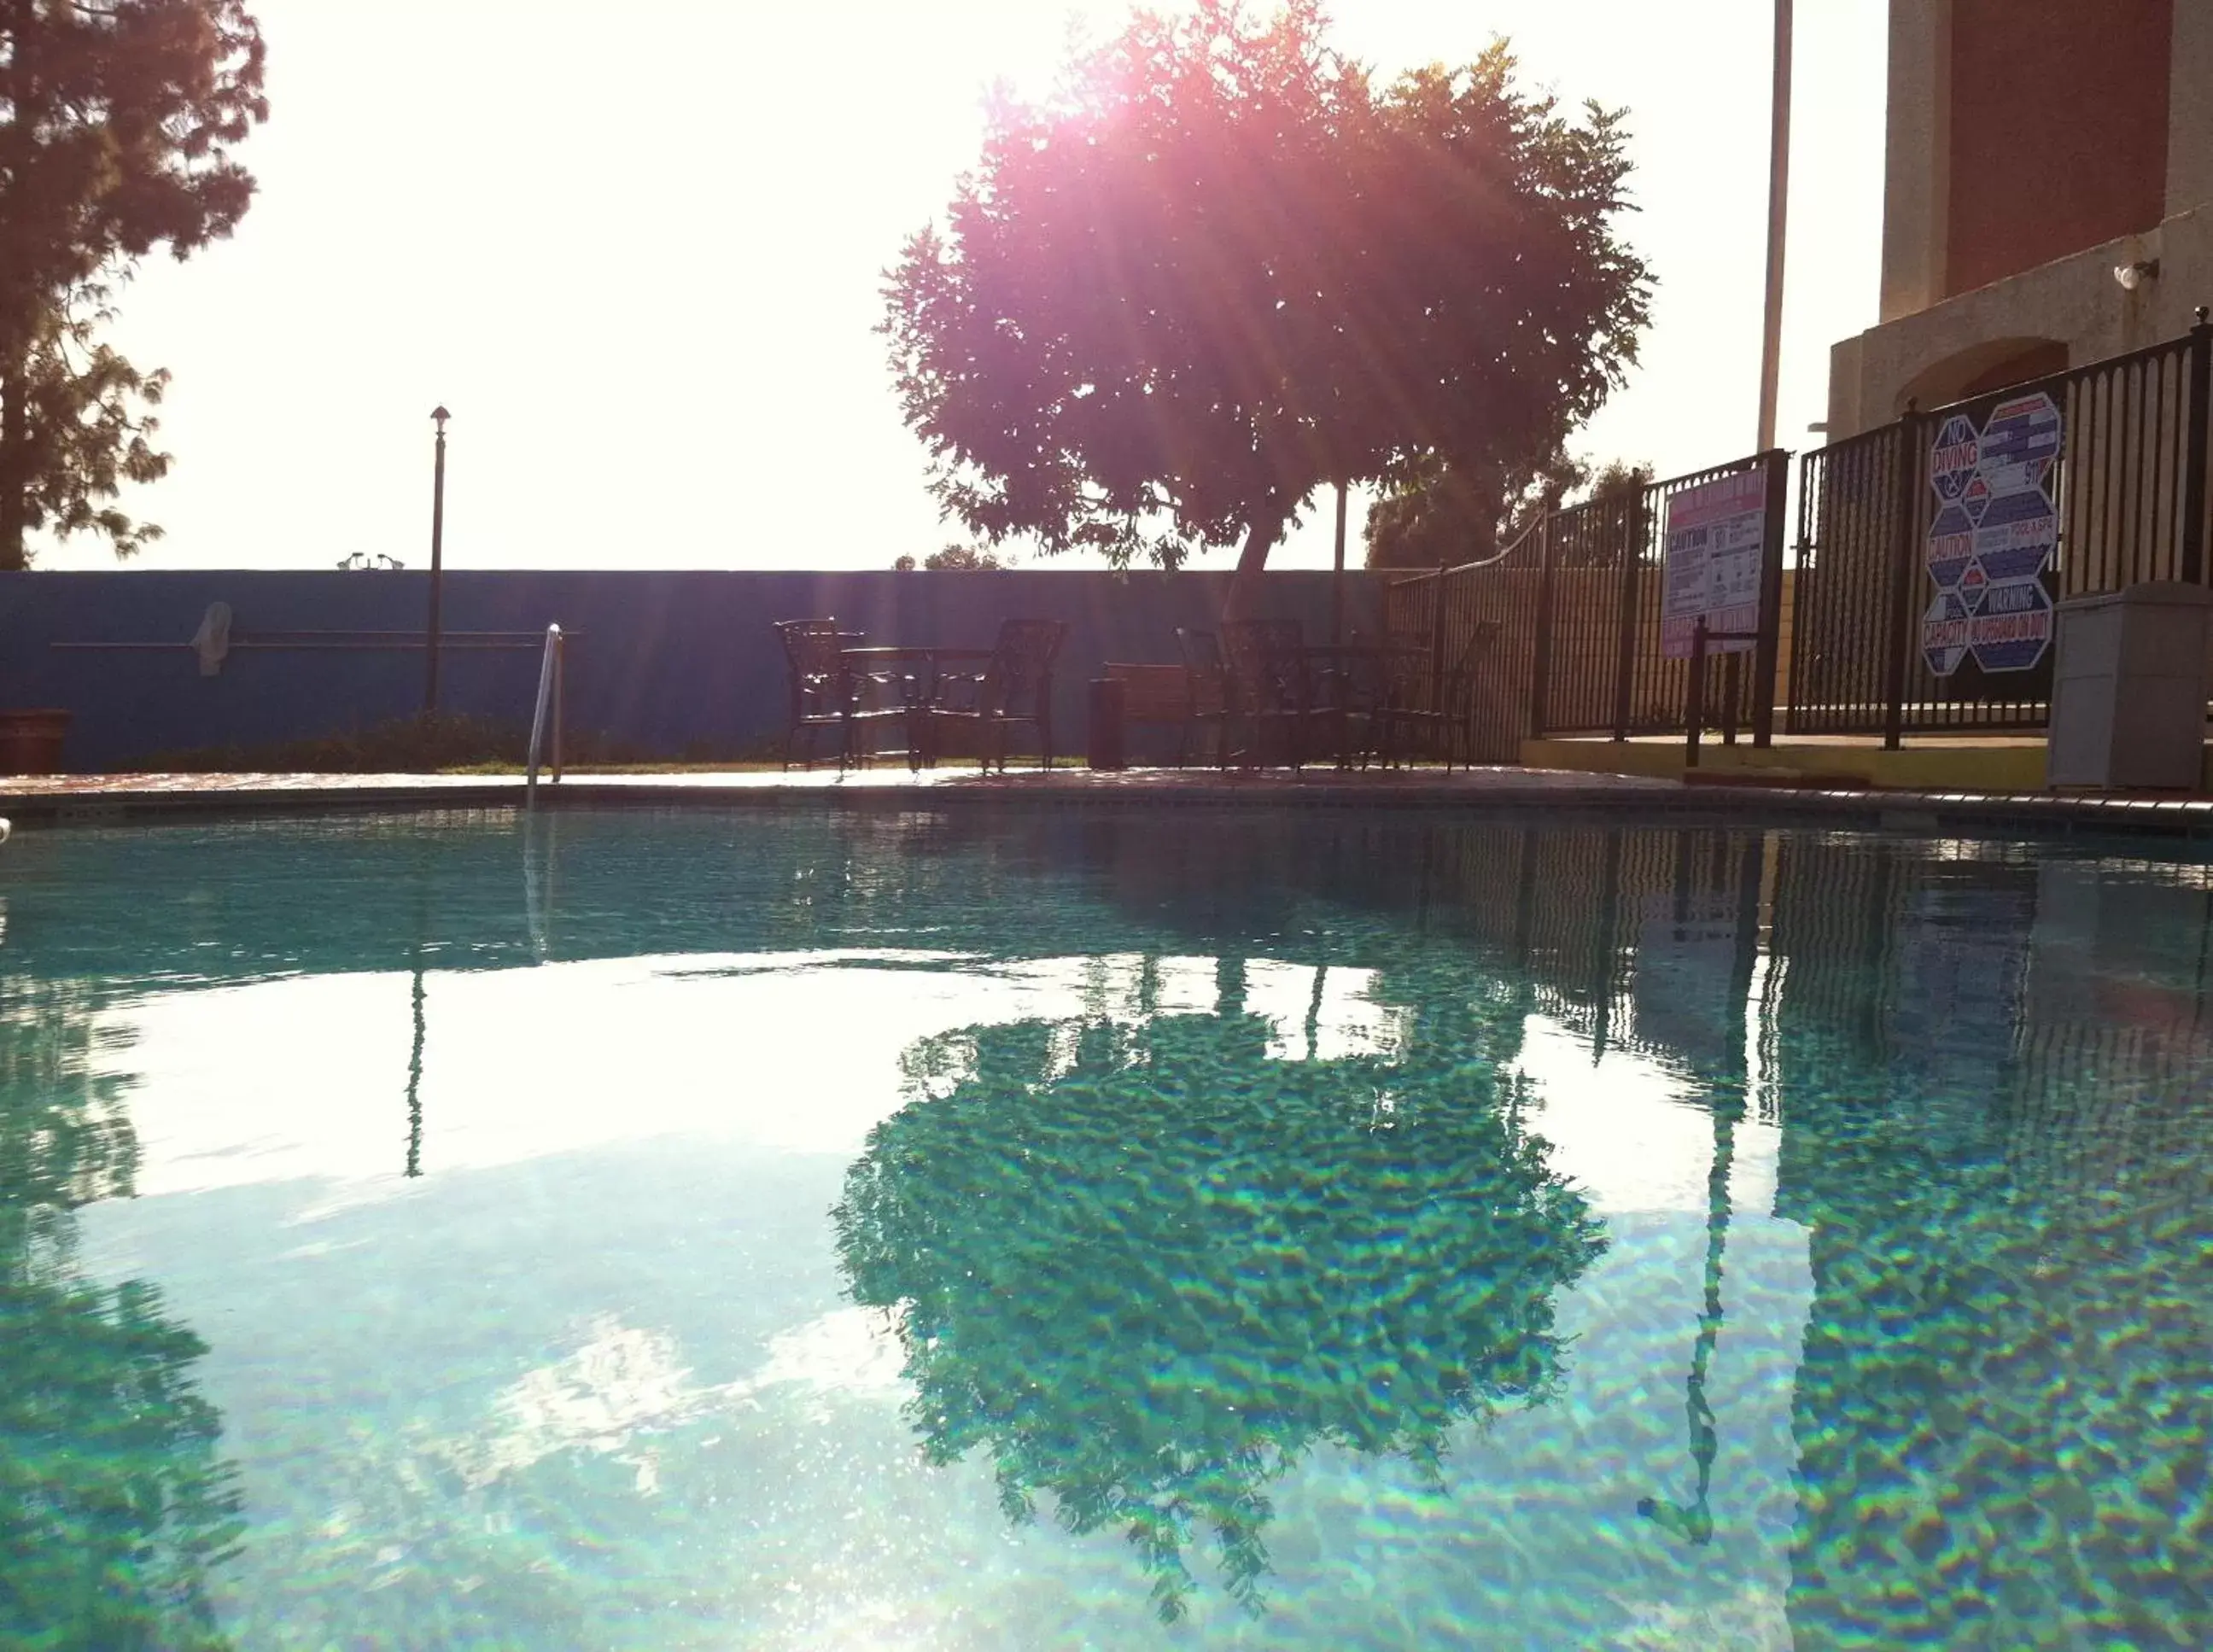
point(549, 695)
point(1491, 561)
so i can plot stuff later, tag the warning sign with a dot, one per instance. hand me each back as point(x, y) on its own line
point(1944, 633)
point(1995, 529)
point(2012, 628)
point(1715, 532)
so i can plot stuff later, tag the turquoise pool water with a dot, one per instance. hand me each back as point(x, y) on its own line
point(772, 1230)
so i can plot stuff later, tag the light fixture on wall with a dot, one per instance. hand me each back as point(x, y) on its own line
point(2133, 276)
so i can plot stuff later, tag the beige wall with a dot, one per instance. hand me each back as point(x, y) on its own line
point(1917, 150)
point(2190, 110)
point(1933, 354)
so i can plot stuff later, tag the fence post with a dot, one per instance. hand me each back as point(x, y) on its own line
point(2196, 435)
point(1540, 673)
point(1906, 470)
point(1624, 656)
point(1694, 713)
point(1768, 652)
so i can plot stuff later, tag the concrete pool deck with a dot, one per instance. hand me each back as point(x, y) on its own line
point(37, 800)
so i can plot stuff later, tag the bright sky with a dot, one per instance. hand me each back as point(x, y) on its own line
point(637, 250)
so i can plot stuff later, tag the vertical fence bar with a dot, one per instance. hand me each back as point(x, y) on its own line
point(2195, 438)
point(1694, 710)
point(1540, 671)
point(1767, 651)
point(1624, 652)
point(1906, 477)
point(1437, 646)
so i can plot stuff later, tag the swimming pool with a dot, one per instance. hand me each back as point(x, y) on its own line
point(1061, 1228)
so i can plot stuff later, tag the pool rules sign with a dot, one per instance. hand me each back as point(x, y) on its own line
point(1712, 539)
point(1993, 537)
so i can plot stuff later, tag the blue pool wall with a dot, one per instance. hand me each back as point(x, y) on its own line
point(664, 664)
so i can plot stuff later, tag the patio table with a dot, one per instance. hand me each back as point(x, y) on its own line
point(1347, 666)
point(918, 689)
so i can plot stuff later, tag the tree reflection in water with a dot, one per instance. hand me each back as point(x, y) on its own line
point(1148, 1273)
point(113, 1503)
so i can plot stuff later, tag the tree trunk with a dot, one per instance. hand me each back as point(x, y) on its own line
point(15, 446)
point(1251, 561)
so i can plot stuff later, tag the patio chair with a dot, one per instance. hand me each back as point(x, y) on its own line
point(1351, 698)
point(1206, 693)
point(823, 694)
point(1268, 687)
point(1446, 726)
point(1015, 686)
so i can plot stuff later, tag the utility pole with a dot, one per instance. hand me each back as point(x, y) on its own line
point(1778, 213)
point(432, 630)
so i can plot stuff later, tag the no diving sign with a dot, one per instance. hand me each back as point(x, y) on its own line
point(1996, 526)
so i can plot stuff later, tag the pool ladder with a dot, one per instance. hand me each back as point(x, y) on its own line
point(548, 715)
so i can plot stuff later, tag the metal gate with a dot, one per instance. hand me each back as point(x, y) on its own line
point(1561, 630)
point(2129, 490)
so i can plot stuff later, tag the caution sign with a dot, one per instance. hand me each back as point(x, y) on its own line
point(1992, 537)
point(1714, 534)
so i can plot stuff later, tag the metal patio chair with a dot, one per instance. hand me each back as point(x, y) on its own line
point(1206, 693)
point(1015, 687)
point(824, 695)
point(1269, 690)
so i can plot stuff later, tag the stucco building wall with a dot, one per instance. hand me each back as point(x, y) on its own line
point(2032, 147)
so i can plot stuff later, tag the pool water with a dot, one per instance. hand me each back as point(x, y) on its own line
point(779, 1230)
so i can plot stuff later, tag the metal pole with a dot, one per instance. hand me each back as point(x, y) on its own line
point(1337, 581)
point(1905, 476)
point(1694, 717)
point(547, 665)
point(434, 626)
point(1778, 213)
point(1766, 653)
point(2193, 457)
point(560, 675)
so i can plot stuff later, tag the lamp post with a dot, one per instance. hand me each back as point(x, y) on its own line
point(431, 629)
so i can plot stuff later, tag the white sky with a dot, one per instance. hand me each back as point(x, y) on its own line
point(637, 250)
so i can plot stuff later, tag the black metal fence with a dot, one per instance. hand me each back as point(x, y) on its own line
point(1563, 634)
point(1891, 585)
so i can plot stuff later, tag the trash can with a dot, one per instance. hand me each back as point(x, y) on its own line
point(31, 741)
point(2129, 688)
point(1106, 745)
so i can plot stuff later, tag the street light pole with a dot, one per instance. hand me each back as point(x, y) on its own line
point(1778, 213)
point(433, 628)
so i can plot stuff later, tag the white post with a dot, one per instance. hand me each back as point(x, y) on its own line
point(1778, 214)
point(546, 678)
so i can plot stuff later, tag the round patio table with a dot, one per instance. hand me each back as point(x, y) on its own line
point(919, 690)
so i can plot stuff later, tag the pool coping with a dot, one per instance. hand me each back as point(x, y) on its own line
point(61, 801)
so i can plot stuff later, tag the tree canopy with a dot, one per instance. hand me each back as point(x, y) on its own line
point(956, 558)
point(1222, 267)
point(118, 123)
point(1438, 516)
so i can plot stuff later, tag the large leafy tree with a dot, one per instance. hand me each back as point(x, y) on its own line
point(118, 123)
point(1222, 268)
